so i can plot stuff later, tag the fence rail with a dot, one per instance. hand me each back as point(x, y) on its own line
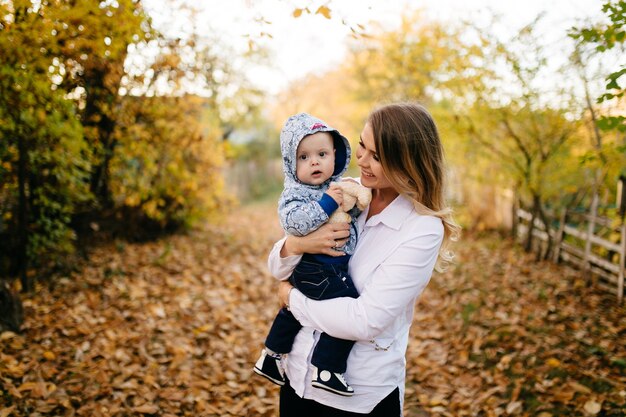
point(610, 268)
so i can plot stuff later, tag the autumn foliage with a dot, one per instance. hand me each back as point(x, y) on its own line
point(86, 142)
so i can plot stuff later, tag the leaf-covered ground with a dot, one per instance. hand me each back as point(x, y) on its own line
point(173, 328)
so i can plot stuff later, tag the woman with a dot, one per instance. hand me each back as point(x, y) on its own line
point(403, 235)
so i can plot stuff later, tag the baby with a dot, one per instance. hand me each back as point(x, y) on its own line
point(314, 155)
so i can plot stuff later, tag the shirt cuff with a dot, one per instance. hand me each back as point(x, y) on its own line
point(281, 268)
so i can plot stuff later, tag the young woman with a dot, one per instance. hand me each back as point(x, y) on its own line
point(402, 236)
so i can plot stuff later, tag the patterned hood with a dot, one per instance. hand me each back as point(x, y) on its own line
point(295, 129)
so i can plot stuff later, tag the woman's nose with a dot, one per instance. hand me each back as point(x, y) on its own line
point(360, 159)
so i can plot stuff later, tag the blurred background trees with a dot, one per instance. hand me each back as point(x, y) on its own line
point(109, 127)
point(91, 140)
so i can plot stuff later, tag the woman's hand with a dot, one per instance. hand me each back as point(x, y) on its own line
point(284, 288)
point(325, 240)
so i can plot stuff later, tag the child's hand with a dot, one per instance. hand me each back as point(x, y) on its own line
point(336, 193)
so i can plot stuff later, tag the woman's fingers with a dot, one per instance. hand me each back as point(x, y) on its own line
point(338, 236)
point(341, 232)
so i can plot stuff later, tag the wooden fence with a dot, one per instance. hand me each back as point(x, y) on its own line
point(599, 247)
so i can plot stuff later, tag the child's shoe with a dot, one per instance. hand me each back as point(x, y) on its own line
point(332, 382)
point(270, 367)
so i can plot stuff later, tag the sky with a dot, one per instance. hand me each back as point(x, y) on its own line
point(312, 44)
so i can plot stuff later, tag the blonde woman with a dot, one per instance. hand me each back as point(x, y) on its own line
point(403, 236)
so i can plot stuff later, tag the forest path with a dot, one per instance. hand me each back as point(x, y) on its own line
point(173, 327)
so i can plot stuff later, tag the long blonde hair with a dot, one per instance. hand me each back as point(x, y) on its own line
point(412, 158)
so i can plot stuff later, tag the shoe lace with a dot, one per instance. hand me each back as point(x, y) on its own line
point(342, 379)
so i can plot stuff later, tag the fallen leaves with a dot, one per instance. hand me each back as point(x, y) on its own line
point(164, 328)
point(172, 328)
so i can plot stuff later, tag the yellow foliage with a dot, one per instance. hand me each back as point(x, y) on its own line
point(168, 162)
point(324, 11)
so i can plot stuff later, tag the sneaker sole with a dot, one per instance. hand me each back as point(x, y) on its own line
point(334, 391)
point(275, 381)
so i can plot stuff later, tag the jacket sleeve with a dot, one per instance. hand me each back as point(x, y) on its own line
point(396, 283)
point(299, 217)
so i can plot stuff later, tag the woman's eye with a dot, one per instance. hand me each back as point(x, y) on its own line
point(376, 158)
point(361, 144)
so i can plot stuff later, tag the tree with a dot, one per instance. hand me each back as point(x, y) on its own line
point(45, 160)
point(606, 37)
point(93, 40)
point(166, 170)
point(524, 126)
point(608, 153)
point(419, 61)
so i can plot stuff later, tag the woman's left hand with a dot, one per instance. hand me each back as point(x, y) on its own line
point(284, 288)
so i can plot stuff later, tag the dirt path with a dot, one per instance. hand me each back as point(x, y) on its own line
point(173, 328)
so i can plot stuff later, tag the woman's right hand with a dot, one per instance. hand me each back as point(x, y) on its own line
point(324, 240)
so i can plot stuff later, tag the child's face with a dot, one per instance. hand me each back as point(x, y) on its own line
point(315, 158)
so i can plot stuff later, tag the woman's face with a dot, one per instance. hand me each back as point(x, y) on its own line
point(372, 175)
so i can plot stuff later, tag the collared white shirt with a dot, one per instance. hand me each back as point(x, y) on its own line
point(392, 264)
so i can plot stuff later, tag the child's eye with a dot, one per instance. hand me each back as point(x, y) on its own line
point(323, 154)
point(302, 157)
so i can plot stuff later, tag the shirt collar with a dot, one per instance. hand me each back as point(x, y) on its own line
point(393, 215)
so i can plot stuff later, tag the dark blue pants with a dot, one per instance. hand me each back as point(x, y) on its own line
point(317, 281)
point(293, 406)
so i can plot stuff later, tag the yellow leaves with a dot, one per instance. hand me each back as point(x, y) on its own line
point(11, 367)
point(49, 355)
point(37, 389)
point(324, 11)
point(132, 200)
point(553, 362)
point(167, 163)
point(199, 330)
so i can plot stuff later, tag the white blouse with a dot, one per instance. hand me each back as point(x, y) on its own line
point(392, 264)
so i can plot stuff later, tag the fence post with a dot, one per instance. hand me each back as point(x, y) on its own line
point(591, 227)
point(559, 237)
point(622, 264)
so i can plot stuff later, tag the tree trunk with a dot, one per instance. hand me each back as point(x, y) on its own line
point(546, 225)
point(531, 228)
point(22, 216)
point(514, 221)
point(100, 179)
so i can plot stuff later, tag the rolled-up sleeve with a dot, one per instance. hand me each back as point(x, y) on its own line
point(281, 268)
point(395, 285)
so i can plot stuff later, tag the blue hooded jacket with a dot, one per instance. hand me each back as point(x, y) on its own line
point(303, 208)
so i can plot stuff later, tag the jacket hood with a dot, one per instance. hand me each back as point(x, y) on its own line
point(299, 126)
